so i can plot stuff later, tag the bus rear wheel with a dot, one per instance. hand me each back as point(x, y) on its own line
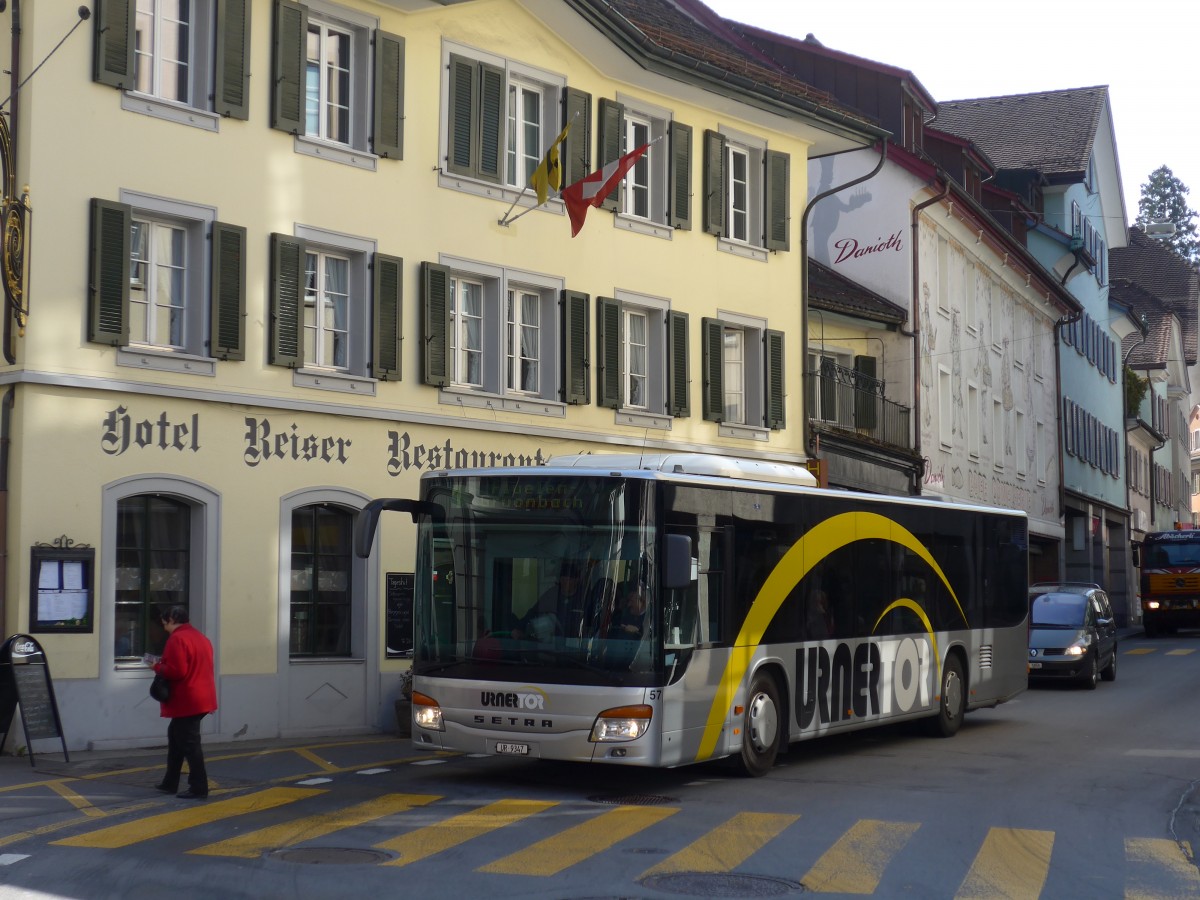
point(953, 703)
point(760, 726)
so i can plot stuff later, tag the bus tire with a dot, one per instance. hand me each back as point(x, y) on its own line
point(760, 726)
point(953, 701)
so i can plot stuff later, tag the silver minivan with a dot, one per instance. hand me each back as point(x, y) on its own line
point(1072, 636)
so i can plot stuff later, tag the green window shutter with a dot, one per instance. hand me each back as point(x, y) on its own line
point(678, 374)
point(714, 182)
point(231, 96)
point(387, 129)
point(866, 393)
point(108, 278)
point(112, 44)
point(680, 178)
point(228, 302)
point(773, 355)
point(493, 113)
point(712, 351)
point(575, 337)
point(464, 73)
point(778, 200)
point(435, 324)
point(576, 152)
point(829, 390)
point(612, 134)
point(287, 301)
point(387, 275)
point(288, 66)
point(609, 389)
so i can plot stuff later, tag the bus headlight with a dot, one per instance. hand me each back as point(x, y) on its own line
point(426, 712)
point(622, 723)
point(1151, 604)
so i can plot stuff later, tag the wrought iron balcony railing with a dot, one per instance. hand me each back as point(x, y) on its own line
point(852, 401)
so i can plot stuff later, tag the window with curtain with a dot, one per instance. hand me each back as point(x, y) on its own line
point(321, 581)
point(523, 331)
point(152, 566)
point(326, 311)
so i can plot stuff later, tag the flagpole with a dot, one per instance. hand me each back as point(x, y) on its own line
point(503, 220)
point(506, 221)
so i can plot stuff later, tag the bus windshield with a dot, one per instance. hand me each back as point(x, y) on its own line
point(1177, 551)
point(538, 578)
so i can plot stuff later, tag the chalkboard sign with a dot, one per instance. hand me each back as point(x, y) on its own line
point(400, 613)
point(25, 682)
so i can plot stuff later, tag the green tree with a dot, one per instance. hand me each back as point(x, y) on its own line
point(1164, 199)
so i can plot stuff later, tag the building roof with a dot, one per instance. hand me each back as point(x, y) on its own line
point(1153, 350)
point(1160, 271)
point(832, 292)
point(694, 39)
point(1051, 132)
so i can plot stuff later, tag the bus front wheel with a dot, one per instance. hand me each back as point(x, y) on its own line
point(760, 727)
point(953, 703)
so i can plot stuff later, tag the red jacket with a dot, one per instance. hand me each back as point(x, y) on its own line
point(187, 663)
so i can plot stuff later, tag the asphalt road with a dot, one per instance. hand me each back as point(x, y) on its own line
point(1061, 793)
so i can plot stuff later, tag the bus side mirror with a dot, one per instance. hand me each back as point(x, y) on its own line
point(1137, 558)
point(677, 570)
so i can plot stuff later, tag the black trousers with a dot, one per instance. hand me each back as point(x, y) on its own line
point(183, 743)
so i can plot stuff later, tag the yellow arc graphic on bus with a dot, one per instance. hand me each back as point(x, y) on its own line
point(819, 542)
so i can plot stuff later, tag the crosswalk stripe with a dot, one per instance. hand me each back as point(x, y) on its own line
point(197, 813)
point(1013, 862)
point(253, 844)
point(727, 846)
point(1140, 651)
point(79, 802)
point(552, 855)
point(855, 864)
point(1181, 651)
point(425, 842)
point(1153, 862)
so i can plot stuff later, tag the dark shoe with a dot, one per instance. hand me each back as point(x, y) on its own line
point(189, 794)
point(165, 788)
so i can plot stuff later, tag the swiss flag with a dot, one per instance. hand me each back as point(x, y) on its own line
point(592, 189)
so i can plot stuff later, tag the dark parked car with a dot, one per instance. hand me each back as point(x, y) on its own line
point(1073, 635)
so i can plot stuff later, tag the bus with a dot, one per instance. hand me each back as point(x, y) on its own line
point(1170, 581)
point(774, 611)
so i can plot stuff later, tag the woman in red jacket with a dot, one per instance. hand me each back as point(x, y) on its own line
point(187, 663)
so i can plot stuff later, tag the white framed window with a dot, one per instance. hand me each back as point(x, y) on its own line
point(738, 211)
point(158, 289)
point(1039, 452)
point(972, 413)
point(744, 378)
point(641, 359)
point(498, 118)
point(328, 72)
point(745, 194)
point(636, 362)
point(639, 190)
point(502, 335)
point(733, 359)
point(998, 433)
point(945, 407)
point(165, 50)
point(327, 310)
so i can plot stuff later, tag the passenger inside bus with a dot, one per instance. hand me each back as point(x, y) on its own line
point(557, 609)
point(629, 626)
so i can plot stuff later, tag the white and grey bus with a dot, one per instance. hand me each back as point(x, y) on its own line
point(768, 610)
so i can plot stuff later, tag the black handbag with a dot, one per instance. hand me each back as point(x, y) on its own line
point(160, 689)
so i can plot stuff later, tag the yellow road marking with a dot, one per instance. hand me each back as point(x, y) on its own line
point(727, 846)
point(325, 765)
point(1160, 869)
point(1140, 651)
point(253, 844)
point(80, 803)
point(856, 862)
point(1012, 863)
point(59, 826)
point(197, 813)
point(1181, 652)
point(425, 842)
point(552, 855)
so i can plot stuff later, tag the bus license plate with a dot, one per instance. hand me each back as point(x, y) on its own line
point(1035, 665)
point(516, 749)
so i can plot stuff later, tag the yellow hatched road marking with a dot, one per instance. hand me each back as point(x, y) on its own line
point(80, 803)
point(425, 842)
point(1181, 652)
point(1012, 863)
point(1140, 651)
point(1160, 869)
point(551, 856)
point(856, 862)
point(253, 844)
point(727, 846)
point(197, 813)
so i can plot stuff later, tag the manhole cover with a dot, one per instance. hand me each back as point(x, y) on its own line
point(720, 884)
point(331, 856)
point(631, 799)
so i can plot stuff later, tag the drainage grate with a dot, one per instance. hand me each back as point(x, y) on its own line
point(330, 856)
point(632, 799)
point(720, 884)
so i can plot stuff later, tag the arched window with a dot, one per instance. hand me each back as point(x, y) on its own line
point(321, 592)
point(153, 566)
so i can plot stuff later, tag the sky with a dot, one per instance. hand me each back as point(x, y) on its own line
point(1143, 52)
